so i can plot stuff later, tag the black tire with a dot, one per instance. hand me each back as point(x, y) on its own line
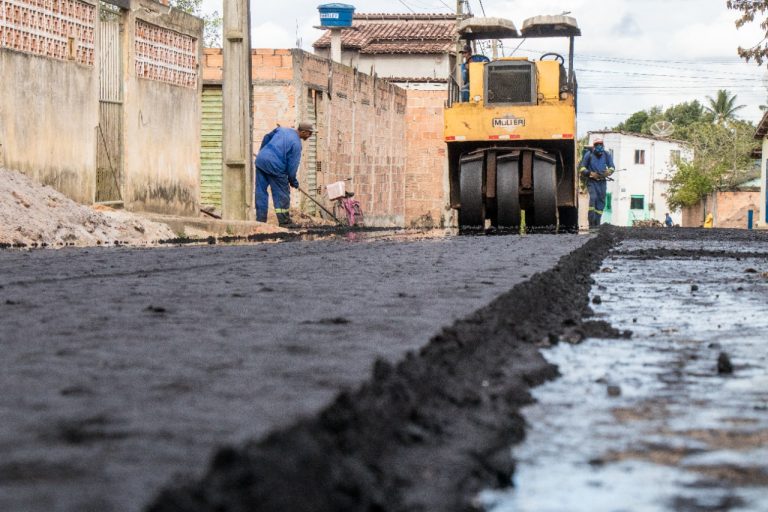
point(544, 194)
point(568, 217)
point(472, 211)
point(508, 192)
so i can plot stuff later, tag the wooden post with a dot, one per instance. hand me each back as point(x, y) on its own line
point(237, 187)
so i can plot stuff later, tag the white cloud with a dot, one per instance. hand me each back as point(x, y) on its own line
point(271, 35)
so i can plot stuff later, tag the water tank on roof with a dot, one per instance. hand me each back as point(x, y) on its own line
point(336, 15)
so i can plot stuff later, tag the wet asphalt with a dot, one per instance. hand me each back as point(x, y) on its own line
point(673, 418)
point(123, 367)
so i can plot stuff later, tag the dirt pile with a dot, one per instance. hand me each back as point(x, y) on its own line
point(34, 215)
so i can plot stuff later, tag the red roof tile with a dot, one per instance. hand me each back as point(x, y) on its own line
point(409, 34)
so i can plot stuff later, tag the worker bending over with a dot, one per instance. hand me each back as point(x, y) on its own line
point(596, 167)
point(276, 166)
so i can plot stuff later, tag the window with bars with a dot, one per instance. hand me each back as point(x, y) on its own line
point(640, 156)
point(637, 203)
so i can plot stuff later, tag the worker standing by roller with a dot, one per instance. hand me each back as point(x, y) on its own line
point(596, 167)
point(276, 166)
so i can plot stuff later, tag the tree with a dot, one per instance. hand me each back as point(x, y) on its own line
point(723, 107)
point(721, 160)
point(751, 9)
point(681, 116)
point(212, 22)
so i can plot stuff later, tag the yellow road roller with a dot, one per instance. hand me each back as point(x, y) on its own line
point(510, 128)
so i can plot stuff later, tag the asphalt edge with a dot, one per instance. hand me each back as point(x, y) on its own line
point(425, 434)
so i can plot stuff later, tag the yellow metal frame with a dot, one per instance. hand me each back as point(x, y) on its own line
point(553, 118)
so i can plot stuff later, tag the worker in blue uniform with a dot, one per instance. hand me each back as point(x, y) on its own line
point(276, 166)
point(596, 166)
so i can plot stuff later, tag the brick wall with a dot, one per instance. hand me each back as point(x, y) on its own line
point(426, 182)
point(730, 210)
point(386, 139)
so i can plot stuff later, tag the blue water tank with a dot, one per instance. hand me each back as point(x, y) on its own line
point(336, 15)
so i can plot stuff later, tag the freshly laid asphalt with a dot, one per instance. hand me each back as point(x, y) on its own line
point(124, 367)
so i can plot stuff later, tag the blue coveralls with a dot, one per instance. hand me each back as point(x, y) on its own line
point(596, 187)
point(276, 167)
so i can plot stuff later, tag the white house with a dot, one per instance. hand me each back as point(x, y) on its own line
point(644, 167)
point(411, 50)
point(761, 134)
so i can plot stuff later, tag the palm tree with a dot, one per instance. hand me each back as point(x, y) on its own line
point(724, 107)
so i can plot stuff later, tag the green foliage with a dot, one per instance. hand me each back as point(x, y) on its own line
point(682, 116)
point(721, 161)
point(636, 123)
point(750, 9)
point(723, 107)
point(212, 22)
point(688, 186)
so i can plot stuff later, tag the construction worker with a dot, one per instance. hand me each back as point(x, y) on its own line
point(668, 220)
point(276, 167)
point(709, 221)
point(596, 167)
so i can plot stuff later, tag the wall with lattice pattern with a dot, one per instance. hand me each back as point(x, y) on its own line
point(59, 29)
point(165, 56)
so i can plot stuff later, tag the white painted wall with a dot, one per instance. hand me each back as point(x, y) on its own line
point(763, 220)
point(395, 65)
point(649, 179)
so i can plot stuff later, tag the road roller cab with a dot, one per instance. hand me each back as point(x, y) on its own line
point(511, 130)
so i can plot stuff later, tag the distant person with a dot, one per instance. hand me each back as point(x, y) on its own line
point(596, 166)
point(276, 166)
point(709, 221)
point(668, 221)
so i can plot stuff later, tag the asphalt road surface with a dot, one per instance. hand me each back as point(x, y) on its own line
point(124, 367)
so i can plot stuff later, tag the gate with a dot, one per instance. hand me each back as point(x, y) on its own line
point(109, 132)
point(312, 186)
point(211, 128)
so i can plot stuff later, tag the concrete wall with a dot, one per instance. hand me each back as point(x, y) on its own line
point(49, 109)
point(162, 113)
point(395, 65)
point(729, 210)
point(763, 216)
point(49, 102)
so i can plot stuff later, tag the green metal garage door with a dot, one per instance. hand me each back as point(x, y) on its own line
point(210, 147)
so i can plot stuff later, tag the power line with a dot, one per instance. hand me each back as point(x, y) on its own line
point(407, 6)
point(482, 8)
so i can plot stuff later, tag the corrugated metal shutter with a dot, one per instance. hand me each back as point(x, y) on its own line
point(210, 146)
point(312, 153)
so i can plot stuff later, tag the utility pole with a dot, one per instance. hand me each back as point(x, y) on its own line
point(459, 74)
point(237, 185)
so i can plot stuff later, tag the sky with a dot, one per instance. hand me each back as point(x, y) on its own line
point(632, 55)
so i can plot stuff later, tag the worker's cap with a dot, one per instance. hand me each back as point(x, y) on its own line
point(466, 49)
point(305, 127)
point(597, 141)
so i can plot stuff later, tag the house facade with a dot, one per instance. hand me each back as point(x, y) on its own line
point(644, 168)
point(101, 100)
point(411, 50)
